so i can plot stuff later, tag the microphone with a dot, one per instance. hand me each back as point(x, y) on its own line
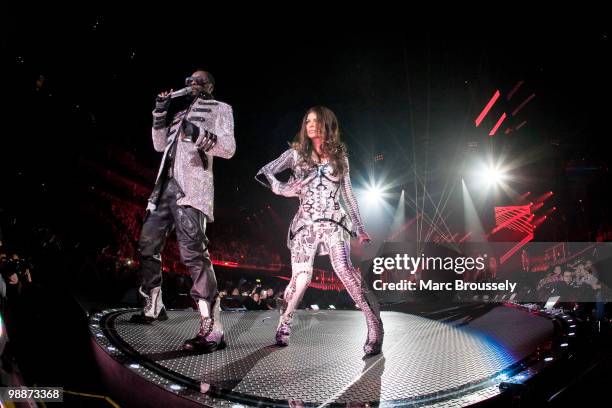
point(180, 92)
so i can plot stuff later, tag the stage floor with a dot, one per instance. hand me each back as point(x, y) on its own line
point(425, 362)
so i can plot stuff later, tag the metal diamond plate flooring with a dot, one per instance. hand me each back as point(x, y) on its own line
point(323, 363)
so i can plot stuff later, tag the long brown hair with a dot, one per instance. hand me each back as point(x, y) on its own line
point(331, 146)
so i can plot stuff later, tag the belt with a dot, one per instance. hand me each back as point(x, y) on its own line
point(292, 234)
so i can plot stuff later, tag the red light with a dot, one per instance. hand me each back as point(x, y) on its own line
point(522, 105)
point(487, 108)
point(498, 124)
point(516, 87)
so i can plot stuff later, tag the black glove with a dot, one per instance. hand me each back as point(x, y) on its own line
point(190, 131)
point(162, 103)
point(159, 122)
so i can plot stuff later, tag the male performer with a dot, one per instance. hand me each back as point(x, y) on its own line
point(183, 198)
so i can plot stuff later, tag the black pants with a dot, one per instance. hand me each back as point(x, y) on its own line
point(190, 227)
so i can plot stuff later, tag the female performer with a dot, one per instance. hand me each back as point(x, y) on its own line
point(321, 226)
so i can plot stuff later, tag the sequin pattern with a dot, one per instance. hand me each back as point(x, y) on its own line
point(193, 176)
point(319, 191)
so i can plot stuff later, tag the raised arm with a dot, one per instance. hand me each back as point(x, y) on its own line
point(159, 132)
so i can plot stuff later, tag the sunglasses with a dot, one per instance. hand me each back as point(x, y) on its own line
point(197, 80)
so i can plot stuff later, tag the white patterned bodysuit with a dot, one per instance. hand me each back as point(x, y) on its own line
point(320, 227)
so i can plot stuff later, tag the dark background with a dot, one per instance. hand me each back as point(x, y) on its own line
point(77, 136)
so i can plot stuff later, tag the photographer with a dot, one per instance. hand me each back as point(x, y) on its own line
point(252, 300)
point(17, 275)
point(3, 265)
point(566, 288)
point(553, 276)
point(267, 299)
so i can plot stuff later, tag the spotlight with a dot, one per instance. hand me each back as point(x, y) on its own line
point(493, 175)
point(491, 172)
point(374, 194)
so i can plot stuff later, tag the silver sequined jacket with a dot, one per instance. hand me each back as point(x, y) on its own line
point(319, 193)
point(193, 166)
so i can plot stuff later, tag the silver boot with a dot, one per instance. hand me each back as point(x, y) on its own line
point(283, 331)
point(153, 309)
point(210, 336)
point(376, 332)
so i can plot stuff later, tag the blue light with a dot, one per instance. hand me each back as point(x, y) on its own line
point(502, 354)
point(502, 377)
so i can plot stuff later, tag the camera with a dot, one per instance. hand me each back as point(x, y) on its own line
point(18, 266)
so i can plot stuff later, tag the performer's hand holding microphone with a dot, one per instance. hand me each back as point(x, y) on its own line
point(189, 131)
point(162, 102)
